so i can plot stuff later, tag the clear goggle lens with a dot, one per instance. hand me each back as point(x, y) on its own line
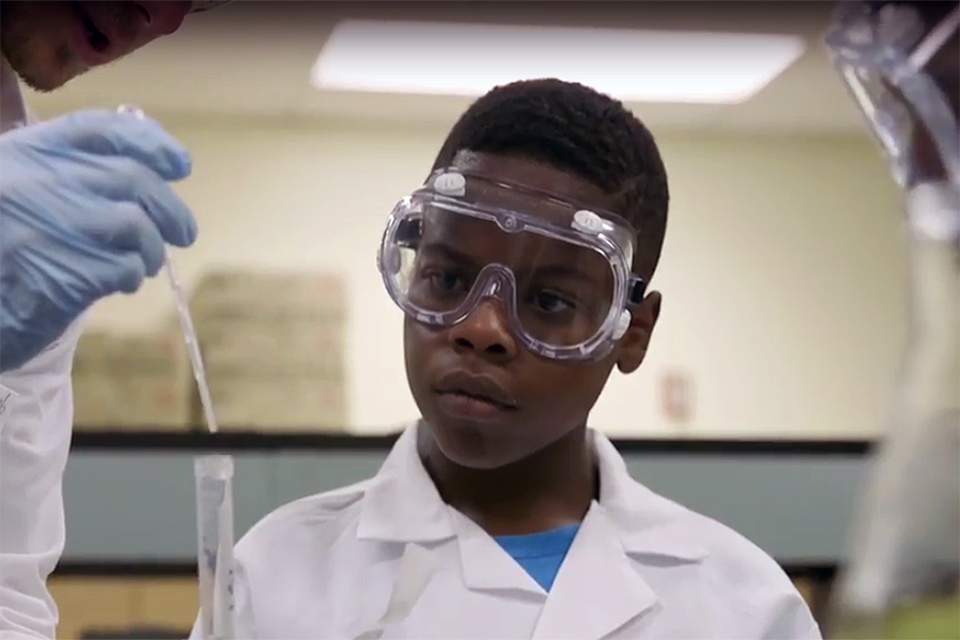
point(562, 293)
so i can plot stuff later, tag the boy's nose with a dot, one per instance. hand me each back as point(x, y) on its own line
point(485, 331)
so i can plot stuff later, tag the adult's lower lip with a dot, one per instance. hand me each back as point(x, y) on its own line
point(459, 405)
point(82, 47)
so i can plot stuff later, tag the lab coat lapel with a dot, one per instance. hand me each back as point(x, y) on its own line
point(597, 590)
point(402, 504)
point(488, 567)
point(600, 586)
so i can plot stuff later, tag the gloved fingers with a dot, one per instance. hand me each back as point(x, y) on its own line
point(111, 133)
point(168, 212)
point(124, 227)
point(124, 272)
point(125, 180)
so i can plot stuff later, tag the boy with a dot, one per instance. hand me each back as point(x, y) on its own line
point(521, 266)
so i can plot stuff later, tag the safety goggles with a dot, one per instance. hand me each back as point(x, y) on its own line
point(900, 72)
point(561, 273)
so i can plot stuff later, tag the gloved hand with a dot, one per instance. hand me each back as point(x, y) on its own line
point(85, 210)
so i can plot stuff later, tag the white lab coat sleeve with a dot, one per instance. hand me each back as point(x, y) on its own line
point(36, 421)
point(244, 624)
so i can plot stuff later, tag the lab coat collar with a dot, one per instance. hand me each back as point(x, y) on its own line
point(403, 505)
point(596, 591)
point(647, 524)
point(599, 587)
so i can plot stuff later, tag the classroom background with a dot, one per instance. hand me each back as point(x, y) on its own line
point(782, 277)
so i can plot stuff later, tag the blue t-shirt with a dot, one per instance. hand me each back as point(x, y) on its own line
point(541, 554)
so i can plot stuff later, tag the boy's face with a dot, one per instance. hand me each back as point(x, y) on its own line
point(488, 401)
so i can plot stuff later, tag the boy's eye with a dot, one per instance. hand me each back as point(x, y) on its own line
point(443, 280)
point(550, 302)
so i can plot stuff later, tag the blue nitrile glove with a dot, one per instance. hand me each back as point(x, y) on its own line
point(85, 210)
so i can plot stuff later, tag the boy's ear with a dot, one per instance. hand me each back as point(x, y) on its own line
point(633, 345)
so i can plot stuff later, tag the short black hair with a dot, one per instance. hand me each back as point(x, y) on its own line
point(576, 129)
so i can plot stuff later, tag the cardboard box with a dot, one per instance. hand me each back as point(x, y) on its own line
point(278, 403)
point(249, 346)
point(273, 348)
point(161, 353)
point(238, 294)
point(118, 402)
point(131, 382)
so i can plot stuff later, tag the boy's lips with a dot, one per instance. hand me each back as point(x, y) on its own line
point(471, 395)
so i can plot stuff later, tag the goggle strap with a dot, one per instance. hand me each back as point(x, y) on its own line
point(409, 232)
point(635, 290)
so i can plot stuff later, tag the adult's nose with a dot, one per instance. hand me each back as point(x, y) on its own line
point(162, 17)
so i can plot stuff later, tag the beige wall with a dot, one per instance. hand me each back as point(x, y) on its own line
point(781, 274)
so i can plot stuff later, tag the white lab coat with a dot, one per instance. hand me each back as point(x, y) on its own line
point(387, 558)
point(36, 419)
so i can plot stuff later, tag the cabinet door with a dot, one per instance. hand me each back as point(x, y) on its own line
point(141, 507)
point(305, 473)
point(168, 602)
point(92, 603)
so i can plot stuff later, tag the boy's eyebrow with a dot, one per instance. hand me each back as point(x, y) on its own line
point(447, 250)
point(565, 271)
point(540, 271)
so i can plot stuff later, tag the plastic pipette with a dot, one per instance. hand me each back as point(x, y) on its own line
point(183, 311)
point(193, 347)
point(213, 477)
